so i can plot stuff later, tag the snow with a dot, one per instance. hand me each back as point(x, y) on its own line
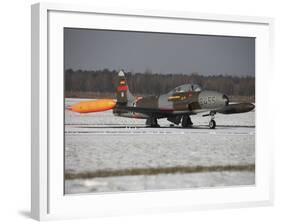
point(160, 182)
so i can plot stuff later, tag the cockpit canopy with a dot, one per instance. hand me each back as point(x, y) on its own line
point(186, 88)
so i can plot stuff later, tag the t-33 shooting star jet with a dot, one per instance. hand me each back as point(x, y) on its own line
point(176, 106)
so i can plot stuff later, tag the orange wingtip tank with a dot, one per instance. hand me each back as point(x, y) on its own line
point(93, 106)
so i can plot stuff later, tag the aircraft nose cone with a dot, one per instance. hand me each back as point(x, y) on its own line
point(247, 106)
point(250, 106)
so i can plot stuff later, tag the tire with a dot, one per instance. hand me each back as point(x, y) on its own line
point(186, 121)
point(212, 124)
point(152, 122)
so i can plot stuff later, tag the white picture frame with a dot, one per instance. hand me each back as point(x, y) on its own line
point(48, 200)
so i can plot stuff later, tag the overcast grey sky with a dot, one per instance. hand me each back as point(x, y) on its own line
point(158, 52)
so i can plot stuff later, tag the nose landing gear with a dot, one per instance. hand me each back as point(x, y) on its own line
point(212, 123)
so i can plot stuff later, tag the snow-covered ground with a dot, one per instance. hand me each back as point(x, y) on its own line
point(159, 182)
point(100, 141)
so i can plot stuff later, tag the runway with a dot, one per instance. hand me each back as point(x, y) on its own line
point(137, 129)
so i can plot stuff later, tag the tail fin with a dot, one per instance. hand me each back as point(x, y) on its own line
point(123, 93)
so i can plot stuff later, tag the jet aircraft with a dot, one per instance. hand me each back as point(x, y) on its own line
point(176, 106)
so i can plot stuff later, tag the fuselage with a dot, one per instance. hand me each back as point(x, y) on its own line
point(176, 102)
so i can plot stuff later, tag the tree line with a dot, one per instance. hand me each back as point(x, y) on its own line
point(103, 83)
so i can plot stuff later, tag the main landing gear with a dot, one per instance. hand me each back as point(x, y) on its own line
point(186, 121)
point(152, 122)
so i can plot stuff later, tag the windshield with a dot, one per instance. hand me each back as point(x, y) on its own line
point(187, 88)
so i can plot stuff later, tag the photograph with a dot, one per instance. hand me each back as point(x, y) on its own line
point(151, 111)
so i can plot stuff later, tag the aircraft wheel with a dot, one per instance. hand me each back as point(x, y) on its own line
point(212, 124)
point(152, 122)
point(186, 121)
point(155, 126)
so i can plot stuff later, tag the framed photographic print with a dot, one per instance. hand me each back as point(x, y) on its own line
point(148, 111)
